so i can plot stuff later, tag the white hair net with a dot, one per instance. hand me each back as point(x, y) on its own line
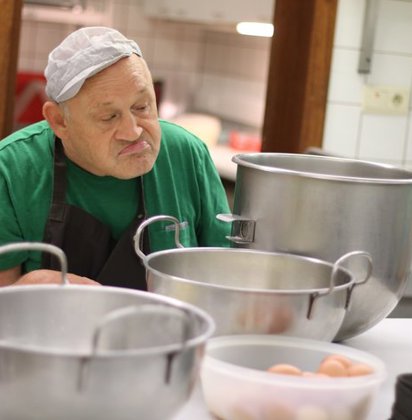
point(81, 55)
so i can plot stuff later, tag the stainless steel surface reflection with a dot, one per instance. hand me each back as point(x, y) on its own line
point(248, 291)
point(324, 207)
point(88, 352)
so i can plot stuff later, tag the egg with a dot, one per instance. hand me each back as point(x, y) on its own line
point(359, 369)
point(340, 358)
point(309, 374)
point(285, 369)
point(332, 368)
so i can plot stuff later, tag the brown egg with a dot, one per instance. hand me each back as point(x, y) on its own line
point(332, 368)
point(359, 369)
point(309, 374)
point(342, 359)
point(285, 369)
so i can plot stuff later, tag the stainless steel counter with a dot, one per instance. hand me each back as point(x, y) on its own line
point(390, 340)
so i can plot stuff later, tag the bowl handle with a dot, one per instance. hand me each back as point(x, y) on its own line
point(128, 312)
point(147, 222)
point(357, 283)
point(336, 266)
point(243, 229)
point(40, 246)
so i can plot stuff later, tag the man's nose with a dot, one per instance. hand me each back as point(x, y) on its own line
point(129, 129)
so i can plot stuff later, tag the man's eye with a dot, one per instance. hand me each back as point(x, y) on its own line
point(109, 117)
point(141, 108)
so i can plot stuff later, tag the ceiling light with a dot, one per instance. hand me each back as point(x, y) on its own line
point(255, 29)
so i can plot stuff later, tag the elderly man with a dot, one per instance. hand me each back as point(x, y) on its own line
point(99, 164)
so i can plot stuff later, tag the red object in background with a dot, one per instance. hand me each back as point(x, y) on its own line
point(245, 141)
point(30, 97)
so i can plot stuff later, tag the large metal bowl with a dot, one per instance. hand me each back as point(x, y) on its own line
point(88, 352)
point(249, 291)
point(323, 207)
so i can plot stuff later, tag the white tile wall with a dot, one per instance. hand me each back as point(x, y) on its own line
point(134, 22)
point(391, 69)
point(233, 81)
point(182, 54)
point(383, 138)
point(341, 135)
point(346, 85)
point(408, 146)
point(37, 39)
point(348, 30)
point(225, 73)
point(394, 28)
point(178, 91)
point(238, 100)
point(165, 51)
point(27, 42)
point(348, 130)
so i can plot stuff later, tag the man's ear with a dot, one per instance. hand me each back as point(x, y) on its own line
point(54, 115)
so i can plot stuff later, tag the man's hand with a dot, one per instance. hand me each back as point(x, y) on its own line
point(10, 276)
point(52, 277)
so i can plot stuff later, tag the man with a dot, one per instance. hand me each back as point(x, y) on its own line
point(99, 164)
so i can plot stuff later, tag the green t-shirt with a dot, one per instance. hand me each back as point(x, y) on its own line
point(183, 183)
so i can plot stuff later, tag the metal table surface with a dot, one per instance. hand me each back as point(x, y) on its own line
point(390, 340)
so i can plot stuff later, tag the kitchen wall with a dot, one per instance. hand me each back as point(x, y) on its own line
point(233, 78)
point(225, 73)
point(348, 130)
point(202, 70)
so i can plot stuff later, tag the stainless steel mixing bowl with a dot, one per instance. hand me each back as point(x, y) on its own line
point(248, 291)
point(88, 352)
point(324, 207)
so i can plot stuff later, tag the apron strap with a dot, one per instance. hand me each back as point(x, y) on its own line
point(123, 267)
point(87, 242)
point(54, 230)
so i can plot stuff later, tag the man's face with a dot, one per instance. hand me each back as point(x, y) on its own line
point(112, 124)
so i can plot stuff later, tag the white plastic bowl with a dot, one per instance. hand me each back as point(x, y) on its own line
point(236, 385)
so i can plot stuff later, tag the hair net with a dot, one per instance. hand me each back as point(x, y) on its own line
point(81, 55)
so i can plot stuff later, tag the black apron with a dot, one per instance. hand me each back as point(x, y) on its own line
point(87, 243)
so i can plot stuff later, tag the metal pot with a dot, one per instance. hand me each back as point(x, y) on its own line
point(324, 207)
point(250, 291)
point(90, 352)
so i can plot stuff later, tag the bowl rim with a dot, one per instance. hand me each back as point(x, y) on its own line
point(211, 362)
point(151, 258)
point(34, 350)
point(246, 160)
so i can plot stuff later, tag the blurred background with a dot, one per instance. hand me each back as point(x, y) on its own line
point(235, 90)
